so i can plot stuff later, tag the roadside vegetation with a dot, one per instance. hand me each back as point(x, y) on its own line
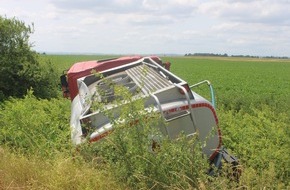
point(36, 152)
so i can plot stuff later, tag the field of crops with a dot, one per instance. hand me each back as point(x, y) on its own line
point(253, 101)
point(240, 82)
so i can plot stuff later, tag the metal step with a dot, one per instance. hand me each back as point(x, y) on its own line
point(148, 79)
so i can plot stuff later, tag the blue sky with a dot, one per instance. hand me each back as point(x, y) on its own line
point(246, 27)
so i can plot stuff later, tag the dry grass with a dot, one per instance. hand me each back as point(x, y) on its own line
point(20, 172)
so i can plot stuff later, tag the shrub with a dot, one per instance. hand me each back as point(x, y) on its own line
point(35, 126)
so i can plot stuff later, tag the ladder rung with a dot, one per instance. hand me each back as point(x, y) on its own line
point(172, 117)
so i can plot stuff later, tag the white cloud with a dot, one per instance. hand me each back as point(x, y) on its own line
point(156, 26)
point(259, 11)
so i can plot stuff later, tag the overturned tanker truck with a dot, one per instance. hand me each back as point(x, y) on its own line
point(182, 109)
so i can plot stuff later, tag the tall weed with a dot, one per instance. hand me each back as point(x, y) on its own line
point(139, 155)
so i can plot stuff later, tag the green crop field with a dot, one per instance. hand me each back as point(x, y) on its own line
point(240, 82)
point(253, 101)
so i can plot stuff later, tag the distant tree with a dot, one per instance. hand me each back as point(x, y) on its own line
point(20, 68)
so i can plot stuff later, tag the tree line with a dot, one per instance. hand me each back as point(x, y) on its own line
point(226, 55)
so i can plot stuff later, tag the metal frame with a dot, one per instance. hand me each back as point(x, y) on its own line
point(211, 90)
